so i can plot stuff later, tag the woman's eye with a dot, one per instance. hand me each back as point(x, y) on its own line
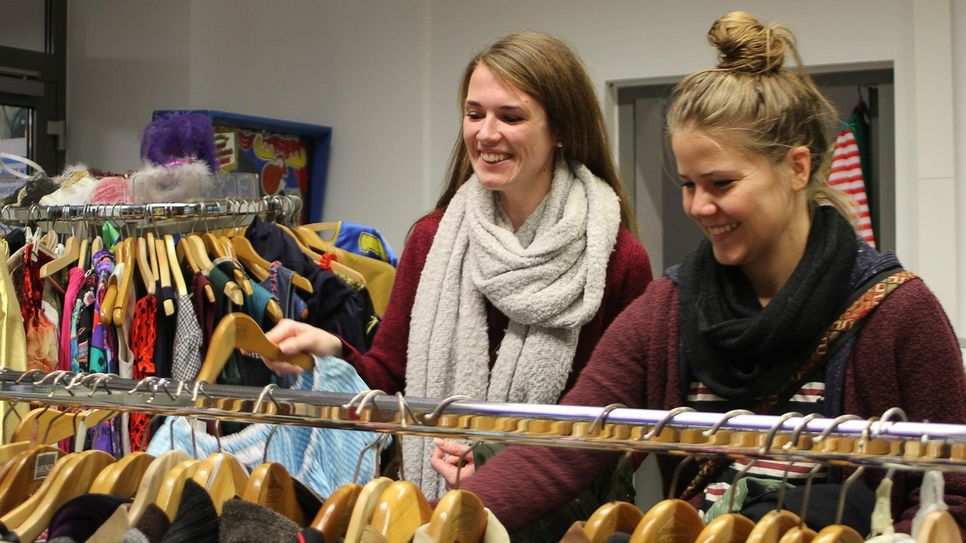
point(512, 119)
point(687, 185)
point(725, 183)
point(473, 115)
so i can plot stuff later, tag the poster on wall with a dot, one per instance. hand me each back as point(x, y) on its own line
point(288, 157)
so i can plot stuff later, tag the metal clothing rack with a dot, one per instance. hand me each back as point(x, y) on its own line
point(208, 213)
point(880, 442)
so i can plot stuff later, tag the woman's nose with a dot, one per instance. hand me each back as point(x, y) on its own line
point(489, 131)
point(702, 204)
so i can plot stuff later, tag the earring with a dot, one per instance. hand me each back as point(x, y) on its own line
point(559, 145)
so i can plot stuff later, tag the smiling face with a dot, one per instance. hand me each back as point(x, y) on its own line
point(754, 212)
point(508, 138)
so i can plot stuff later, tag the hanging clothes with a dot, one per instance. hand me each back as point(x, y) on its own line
point(41, 336)
point(13, 341)
point(846, 175)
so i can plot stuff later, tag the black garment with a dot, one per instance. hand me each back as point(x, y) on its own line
point(164, 333)
point(15, 239)
point(309, 502)
point(619, 537)
point(80, 517)
point(243, 521)
point(333, 306)
point(822, 505)
point(310, 535)
point(197, 519)
point(31, 192)
point(741, 350)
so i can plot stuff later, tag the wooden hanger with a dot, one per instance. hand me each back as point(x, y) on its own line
point(171, 255)
point(312, 240)
point(68, 257)
point(270, 485)
point(771, 527)
point(106, 312)
point(669, 521)
point(727, 528)
point(239, 331)
point(364, 507)
point(72, 481)
point(333, 518)
point(610, 518)
point(199, 252)
point(459, 517)
point(247, 255)
point(798, 534)
point(938, 527)
point(124, 286)
point(164, 274)
point(400, 510)
point(223, 476)
point(151, 482)
point(24, 474)
point(123, 477)
point(83, 253)
point(186, 255)
point(46, 426)
point(169, 492)
point(145, 267)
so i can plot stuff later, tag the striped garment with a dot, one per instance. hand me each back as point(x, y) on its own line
point(846, 175)
point(322, 458)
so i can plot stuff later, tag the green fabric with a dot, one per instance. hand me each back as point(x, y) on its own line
point(109, 234)
point(745, 486)
point(553, 526)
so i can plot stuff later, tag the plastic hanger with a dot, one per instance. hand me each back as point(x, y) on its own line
point(71, 481)
point(151, 482)
point(334, 516)
point(123, 477)
point(400, 510)
point(239, 331)
point(459, 516)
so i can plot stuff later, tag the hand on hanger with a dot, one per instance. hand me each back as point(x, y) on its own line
point(239, 331)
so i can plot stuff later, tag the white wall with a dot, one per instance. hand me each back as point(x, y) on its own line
point(383, 74)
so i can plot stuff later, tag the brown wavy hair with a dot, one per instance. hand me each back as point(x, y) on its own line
point(547, 69)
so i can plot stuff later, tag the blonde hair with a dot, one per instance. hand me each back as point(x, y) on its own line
point(752, 101)
point(548, 70)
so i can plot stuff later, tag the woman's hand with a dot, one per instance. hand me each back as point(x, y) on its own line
point(294, 337)
point(446, 457)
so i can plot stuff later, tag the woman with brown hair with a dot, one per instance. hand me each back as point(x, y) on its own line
point(504, 289)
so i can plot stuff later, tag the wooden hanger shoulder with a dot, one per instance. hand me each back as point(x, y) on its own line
point(400, 510)
point(123, 477)
point(271, 486)
point(169, 492)
point(771, 527)
point(24, 474)
point(364, 507)
point(610, 518)
point(672, 520)
point(240, 331)
point(333, 518)
point(459, 516)
point(223, 476)
point(151, 481)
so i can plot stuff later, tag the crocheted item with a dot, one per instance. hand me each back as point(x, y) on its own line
point(112, 190)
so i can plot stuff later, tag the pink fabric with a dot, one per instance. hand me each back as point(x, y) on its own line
point(112, 190)
point(75, 278)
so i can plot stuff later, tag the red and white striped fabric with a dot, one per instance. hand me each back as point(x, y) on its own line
point(846, 176)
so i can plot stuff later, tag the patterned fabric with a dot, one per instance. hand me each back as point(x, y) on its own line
point(103, 340)
point(82, 317)
point(186, 362)
point(322, 458)
point(846, 175)
point(41, 335)
point(75, 278)
point(142, 343)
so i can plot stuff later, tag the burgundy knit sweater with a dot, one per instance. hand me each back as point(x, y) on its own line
point(906, 355)
point(383, 366)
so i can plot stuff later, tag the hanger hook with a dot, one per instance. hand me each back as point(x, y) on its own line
point(199, 388)
point(835, 423)
point(53, 386)
point(659, 427)
point(405, 410)
point(430, 419)
point(374, 443)
point(51, 424)
point(267, 391)
point(27, 373)
point(797, 432)
point(710, 432)
point(102, 378)
point(769, 438)
point(601, 419)
point(773, 431)
point(218, 434)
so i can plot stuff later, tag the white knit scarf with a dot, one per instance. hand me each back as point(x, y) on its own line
point(547, 277)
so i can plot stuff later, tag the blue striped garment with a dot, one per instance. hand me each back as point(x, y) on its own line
point(322, 458)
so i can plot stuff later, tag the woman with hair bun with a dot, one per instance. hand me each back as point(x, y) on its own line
point(742, 316)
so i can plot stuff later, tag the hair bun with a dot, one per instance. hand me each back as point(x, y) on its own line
point(746, 45)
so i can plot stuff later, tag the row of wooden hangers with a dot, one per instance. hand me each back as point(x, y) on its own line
point(674, 520)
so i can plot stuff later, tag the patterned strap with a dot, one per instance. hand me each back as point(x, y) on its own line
point(858, 310)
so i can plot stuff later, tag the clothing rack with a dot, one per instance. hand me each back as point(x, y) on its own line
point(155, 214)
point(882, 443)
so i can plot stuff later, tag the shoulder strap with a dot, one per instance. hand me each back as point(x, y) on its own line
point(839, 331)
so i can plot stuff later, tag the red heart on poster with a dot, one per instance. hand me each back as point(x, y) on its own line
point(272, 175)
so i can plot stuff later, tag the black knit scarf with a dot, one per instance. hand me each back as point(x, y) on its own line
point(742, 351)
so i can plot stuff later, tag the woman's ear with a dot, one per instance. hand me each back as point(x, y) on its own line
point(800, 160)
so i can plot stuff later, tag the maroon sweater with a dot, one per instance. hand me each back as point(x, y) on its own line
point(906, 355)
point(383, 366)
